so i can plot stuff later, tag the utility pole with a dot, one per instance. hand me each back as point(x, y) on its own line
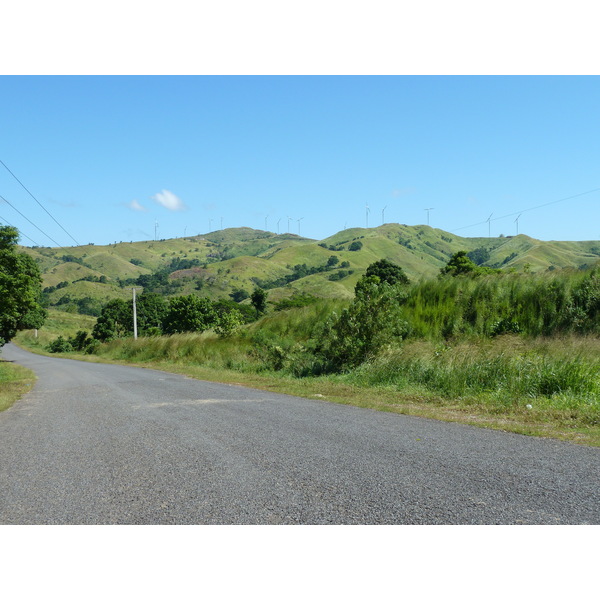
point(134, 316)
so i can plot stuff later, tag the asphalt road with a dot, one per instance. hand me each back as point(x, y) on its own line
point(105, 444)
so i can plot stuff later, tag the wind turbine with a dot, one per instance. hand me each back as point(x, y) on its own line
point(289, 219)
point(428, 209)
point(155, 228)
point(278, 226)
point(266, 222)
point(300, 219)
point(517, 222)
point(489, 219)
point(383, 215)
point(368, 216)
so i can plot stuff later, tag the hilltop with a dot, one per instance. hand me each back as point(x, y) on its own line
point(235, 261)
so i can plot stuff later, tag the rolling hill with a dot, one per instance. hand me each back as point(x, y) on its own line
point(83, 278)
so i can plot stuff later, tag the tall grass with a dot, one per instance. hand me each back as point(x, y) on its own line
point(544, 304)
point(506, 373)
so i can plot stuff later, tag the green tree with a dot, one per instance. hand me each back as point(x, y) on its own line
point(459, 264)
point(387, 271)
point(151, 310)
point(189, 313)
point(115, 320)
point(373, 320)
point(20, 288)
point(259, 300)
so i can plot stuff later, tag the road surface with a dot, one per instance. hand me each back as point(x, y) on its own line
point(106, 444)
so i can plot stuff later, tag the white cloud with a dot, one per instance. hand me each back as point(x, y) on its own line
point(169, 200)
point(135, 205)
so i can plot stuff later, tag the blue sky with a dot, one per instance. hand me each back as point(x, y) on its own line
point(120, 158)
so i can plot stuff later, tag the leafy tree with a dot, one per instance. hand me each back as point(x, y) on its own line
point(189, 313)
point(238, 295)
point(228, 322)
point(387, 271)
point(151, 310)
point(115, 320)
point(20, 288)
point(259, 300)
point(459, 264)
point(332, 261)
point(373, 320)
point(355, 246)
point(479, 255)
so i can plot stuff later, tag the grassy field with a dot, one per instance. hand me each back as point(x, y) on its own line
point(14, 382)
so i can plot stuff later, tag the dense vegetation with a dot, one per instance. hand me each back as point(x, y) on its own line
point(473, 334)
point(20, 288)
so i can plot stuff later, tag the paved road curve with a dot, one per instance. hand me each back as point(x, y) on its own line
point(99, 444)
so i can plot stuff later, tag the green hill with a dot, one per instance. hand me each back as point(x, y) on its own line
point(82, 278)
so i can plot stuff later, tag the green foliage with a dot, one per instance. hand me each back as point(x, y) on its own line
point(355, 246)
point(115, 320)
point(296, 301)
point(387, 272)
point(20, 288)
point(479, 255)
point(151, 310)
point(259, 300)
point(60, 345)
point(459, 264)
point(189, 313)
point(372, 321)
point(227, 323)
point(239, 295)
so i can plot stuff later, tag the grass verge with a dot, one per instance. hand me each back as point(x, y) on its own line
point(15, 381)
point(379, 387)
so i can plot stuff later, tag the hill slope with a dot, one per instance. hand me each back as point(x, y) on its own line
point(83, 278)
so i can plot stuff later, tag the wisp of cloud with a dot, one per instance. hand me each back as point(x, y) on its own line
point(135, 205)
point(169, 200)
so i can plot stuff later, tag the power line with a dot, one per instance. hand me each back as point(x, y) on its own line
point(7, 202)
point(34, 242)
point(21, 184)
point(519, 212)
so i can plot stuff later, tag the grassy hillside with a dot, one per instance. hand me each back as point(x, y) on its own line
point(221, 262)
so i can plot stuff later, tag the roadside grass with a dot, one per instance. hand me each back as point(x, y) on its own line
point(541, 387)
point(15, 381)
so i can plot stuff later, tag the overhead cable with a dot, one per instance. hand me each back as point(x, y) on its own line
point(7, 202)
point(21, 184)
point(528, 209)
point(20, 234)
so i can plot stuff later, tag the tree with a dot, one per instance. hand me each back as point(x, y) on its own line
point(115, 320)
point(259, 300)
point(459, 264)
point(387, 271)
point(373, 320)
point(189, 314)
point(151, 310)
point(20, 288)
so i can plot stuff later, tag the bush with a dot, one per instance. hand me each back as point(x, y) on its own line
point(60, 345)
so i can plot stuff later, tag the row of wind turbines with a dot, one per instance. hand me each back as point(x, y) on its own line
point(367, 212)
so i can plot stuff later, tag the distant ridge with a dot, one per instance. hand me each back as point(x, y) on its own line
point(216, 264)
